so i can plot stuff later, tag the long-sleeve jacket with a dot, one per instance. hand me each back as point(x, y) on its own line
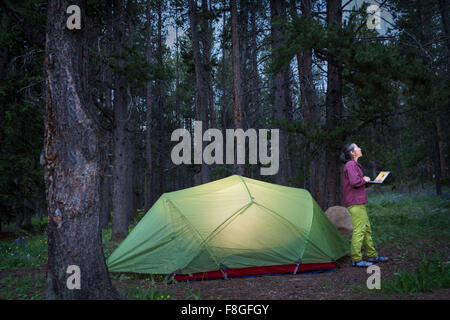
point(353, 184)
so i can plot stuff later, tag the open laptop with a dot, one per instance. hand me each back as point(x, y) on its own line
point(381, 177)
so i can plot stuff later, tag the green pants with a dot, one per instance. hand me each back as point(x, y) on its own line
point(362, 233)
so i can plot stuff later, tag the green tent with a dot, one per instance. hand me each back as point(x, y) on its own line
point(236, 225)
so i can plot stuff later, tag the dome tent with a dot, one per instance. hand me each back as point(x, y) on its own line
point(231, 227)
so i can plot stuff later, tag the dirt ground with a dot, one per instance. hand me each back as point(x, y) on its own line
point(344, 283)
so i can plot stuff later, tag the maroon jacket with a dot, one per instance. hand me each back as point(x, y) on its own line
point(353, 184)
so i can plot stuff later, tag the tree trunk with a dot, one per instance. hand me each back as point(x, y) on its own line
point(224, 78)
point(237, 82)
point(106, 183)
point(178, 169)
point(311, 117)
point(106, 180)
point(4, 59)
point(255, 100)
point(107, 145)
point(123, 190)
point(425, 36)
point(27, 214)
point(148, 105)
point(443, 7)
point(243, 36)
point(201, 81)
point(207, 39)
point(161, 106)
point(334, 107)
point(242, 27)
point(72, 170)
point(373, 161)
point(436, 158)
point(442, 148)
point(282, 100)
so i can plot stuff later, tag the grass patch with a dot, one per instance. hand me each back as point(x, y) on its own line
point(30, 287)
point(23, 252)
point(147, 294)
point(398, 219)
point(430, 275)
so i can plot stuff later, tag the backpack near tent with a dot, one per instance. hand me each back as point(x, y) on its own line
point(234, 226)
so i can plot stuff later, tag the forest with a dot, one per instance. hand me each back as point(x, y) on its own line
point(96, 101)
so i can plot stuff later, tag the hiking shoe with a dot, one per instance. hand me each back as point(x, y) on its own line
point(361, 264)
point(378, 259)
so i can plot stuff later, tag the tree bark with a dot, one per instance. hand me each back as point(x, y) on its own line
point(282, 99)
point(425, 36)
point(148, 123)
point(334, 107)
point(436, 158)
point(442, 148)
point(237, 77)
point(28, 209)
point(201, 80)
point(224, 79)
point(107, 141)
point(123, 190)
point(311, 117)
point(178, 169)
point(207, 44)
point(106, 181)
point(161, 106)
point(242, 27)
point(443, 7)
point(72, 170)
point(255, 100)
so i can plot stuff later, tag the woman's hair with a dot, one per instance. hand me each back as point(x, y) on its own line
point(345, 155)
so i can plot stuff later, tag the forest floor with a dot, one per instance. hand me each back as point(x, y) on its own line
point(412, 230)
point(343, 283)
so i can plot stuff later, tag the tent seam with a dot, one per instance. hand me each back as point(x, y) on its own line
point(310, 224)
point(243, 209)
point(282, 218)
point(125, 253)
point(193, 228)
point(309, 231)
point(295, 228)
point(245, 184)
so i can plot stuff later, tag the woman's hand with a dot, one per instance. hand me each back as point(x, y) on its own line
point(367, 179)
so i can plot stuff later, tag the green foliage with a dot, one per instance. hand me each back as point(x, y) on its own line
point(148, 294)
point(429, 275)
point(23, 252)
point(29, 287)
point(39, 225)
point(400, 220)
point(192, 294)
point(108, 245)
point(22, 107)
point(395, 86)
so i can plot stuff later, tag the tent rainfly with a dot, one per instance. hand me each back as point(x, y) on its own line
point(234, 226)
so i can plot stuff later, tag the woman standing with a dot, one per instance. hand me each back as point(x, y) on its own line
point(355, 198)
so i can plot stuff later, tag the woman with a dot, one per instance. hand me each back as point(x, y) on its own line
point(355, 198)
